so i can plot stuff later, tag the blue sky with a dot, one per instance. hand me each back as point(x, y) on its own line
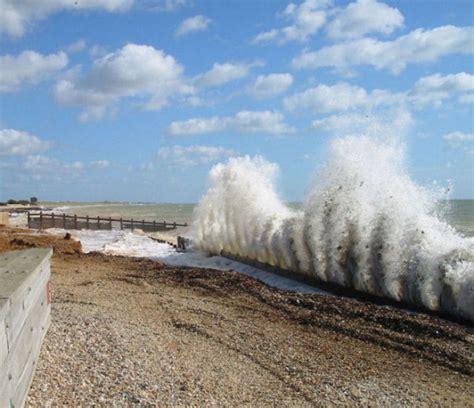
point(136, 100)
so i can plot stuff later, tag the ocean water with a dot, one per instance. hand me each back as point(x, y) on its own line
point(458, 213)
point(179, 213)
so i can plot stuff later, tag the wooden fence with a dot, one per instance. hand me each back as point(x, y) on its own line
point(41, 220)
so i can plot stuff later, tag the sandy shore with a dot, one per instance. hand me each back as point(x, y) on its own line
point(127, 331)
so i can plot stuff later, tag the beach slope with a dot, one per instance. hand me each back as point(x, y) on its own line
point(129, 330)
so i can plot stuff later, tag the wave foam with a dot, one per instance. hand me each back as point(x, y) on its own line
point(365, 225)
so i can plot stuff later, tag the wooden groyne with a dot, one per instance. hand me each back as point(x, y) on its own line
point(25, 299)
point(50, 220)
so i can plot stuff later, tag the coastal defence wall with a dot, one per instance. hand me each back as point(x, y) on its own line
point(24, 319)
point(186, 243)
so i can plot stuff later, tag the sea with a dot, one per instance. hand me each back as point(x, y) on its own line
point(457, 213)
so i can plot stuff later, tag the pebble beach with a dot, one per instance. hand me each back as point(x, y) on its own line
point(132, 331)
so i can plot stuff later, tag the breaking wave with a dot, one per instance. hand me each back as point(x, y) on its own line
point(365, 225)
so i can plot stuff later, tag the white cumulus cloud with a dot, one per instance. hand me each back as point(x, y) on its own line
point(386, 121)
point(137, 71)
point(305, 20)
point(18, 143)
point(267, 86)
point(243, 122)
point(363, 17)
point(342, 121)
point(29, 67)
point(38, 163)
point(192, 25)
point(459, 137)
point(187, 156)
point(467, 98)
point(418, 46)
point(219, 74)
point(76, 46)
point(433, 89)
point(340, 97)
point(164, 5)
point(102, 164)
point(17, 15)
point(43, 164)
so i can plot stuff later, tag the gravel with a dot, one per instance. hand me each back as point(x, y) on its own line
point(133, 332)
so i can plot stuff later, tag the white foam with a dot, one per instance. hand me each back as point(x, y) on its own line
point(65, 208)
point(136, 244)
point(365, 225)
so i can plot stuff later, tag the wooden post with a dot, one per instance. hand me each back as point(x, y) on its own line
point(52, 219)
point(41, 219)
point(154, 226)
point(87, 222)
point(164, 224)
point(174, 225)
point(121, 223)
point(110, 223)
point(64, 221)
point(98, 222)
point(75, 221)
point(131, 223)
point(29, 220)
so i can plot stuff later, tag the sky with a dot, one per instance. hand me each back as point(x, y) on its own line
point(135, 100)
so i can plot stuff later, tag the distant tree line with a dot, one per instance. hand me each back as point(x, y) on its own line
point(33, 201)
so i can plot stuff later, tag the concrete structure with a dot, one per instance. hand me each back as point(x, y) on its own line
point(3, 216)
point(24, 319)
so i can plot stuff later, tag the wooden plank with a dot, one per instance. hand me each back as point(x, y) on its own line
point(17, 268)
point(18, 287)
point(21, 392)
point(17, 316)
point(22, 274)
point(17, 373)
point(20, 349)
point(24, 319)
point(4, 307)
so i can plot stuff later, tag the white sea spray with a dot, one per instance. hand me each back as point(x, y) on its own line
point(365, 225)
